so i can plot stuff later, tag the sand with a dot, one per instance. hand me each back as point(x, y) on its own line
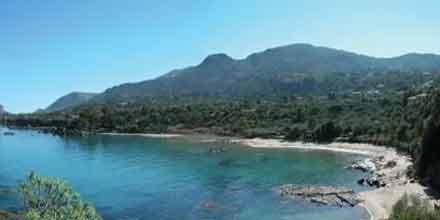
point(352, 148)
point(148, 135)
point(380, 202)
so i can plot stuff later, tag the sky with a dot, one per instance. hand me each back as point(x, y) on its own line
point(53, 47)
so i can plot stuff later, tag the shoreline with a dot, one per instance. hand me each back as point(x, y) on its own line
point(148, 135)
point(377, 202)
point(341, 147)
point(269, 143)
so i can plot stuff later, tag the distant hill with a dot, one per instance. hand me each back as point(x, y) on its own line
point(2, 110)
point(284, 69)
point(70, 100)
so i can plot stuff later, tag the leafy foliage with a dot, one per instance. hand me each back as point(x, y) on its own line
point(428, 164)
point(48, 198)
point(410, 207)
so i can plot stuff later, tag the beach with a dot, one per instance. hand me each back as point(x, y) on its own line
point(148, 135)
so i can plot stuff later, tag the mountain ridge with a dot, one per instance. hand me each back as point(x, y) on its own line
point(70, 100)
point(220, 74)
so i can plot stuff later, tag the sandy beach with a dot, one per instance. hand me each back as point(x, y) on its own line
point(148, 135)
point(352, 148)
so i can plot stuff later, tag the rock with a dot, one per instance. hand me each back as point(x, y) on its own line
point(391, 164)
point(373, 181)
point(350, 200)
point(319, 201)
point(217, 150)
point(340, 197)
point(366, 165)
point(362, 181)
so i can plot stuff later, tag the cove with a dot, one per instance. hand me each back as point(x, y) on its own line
point(137, 178)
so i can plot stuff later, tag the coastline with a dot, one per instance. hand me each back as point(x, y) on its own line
point(148, 135)
point(342, 147)
point(377, 202)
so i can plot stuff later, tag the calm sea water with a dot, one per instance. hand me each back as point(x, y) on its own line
point(134, 178)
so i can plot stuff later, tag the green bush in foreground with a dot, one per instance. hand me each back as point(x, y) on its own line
point(47, 198)
point(410, 207)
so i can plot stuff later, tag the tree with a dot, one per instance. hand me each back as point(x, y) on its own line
point(47, 198)
point(326, 132)
point(294, 133)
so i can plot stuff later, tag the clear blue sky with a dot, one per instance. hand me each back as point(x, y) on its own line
point(49, 48)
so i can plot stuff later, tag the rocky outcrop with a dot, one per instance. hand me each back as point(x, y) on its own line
point(366, 165)
point(321, 195)
point(375, 180)
point(383, 171)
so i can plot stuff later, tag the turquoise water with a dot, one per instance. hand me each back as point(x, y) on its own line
point(134, 178)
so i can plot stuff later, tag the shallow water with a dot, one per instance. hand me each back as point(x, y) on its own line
point(139, 178)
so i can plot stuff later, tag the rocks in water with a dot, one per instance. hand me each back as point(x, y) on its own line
point(217, 150)
point(381, 172)
point(369, 165)
point(322, 195)
point(373, 181)
point(361, 181)
point(366, 165)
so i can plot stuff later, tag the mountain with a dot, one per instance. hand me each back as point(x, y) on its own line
point(2, 110)
point(70, 100)
point(286, 69)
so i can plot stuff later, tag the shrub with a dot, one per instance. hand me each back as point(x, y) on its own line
point(326, 132)
point(295, 133)
point(47, 198)
point(410, 207)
